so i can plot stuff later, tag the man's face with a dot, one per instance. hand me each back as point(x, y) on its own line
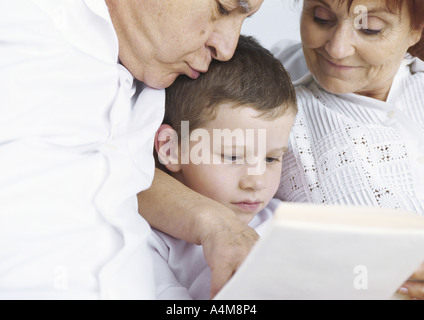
point(162, 39)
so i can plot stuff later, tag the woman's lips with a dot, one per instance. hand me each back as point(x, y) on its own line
point(338, 66)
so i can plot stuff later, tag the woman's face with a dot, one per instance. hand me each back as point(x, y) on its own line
point(162, 39)
point(359, 50)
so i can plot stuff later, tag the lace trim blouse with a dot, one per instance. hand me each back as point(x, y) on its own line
point(355, 150)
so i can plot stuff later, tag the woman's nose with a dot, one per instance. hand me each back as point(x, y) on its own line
point(340, 43)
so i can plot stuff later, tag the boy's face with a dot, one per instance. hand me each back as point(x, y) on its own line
point(241, 171)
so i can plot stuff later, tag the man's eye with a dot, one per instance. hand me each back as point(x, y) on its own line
point(222, 10)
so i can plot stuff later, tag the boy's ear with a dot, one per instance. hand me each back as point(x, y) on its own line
point(167, 147)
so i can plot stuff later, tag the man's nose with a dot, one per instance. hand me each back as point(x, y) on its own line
point(224, 39)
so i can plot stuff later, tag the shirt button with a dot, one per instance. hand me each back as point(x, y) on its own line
point(391, 114)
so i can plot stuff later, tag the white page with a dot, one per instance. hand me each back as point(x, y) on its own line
point(328, 252)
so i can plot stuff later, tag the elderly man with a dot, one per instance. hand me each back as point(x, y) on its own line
point(76, 132)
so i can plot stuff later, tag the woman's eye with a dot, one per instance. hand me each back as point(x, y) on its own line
point(321, 21)
point(370, 32)
point(322, 15)
point(371, 26)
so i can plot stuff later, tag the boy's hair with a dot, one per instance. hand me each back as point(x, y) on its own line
point(252, 77)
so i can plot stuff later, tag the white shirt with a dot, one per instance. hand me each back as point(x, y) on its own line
point(355, 150)
point(76, 143)
point(181, 270)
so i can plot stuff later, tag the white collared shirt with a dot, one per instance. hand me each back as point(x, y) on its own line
point(355, 150)
point(76, 143)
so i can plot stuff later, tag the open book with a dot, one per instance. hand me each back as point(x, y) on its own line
point(330, 252)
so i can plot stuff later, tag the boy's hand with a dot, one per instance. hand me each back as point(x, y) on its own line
point(414, 287)
point(225, 247)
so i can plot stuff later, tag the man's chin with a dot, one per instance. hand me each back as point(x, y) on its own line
point(160, 82)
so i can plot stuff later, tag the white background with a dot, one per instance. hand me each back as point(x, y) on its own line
point(276, 20)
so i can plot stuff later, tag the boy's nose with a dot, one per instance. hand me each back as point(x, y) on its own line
point(252, 182)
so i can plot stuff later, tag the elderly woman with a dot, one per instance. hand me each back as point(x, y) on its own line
point(360, 130)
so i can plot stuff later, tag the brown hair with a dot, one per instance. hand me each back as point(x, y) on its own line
point(416, 13)
point(252, 77)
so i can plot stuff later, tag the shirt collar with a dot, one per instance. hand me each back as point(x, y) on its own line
point(304, 80)
point(417, 65)
point(100, 8)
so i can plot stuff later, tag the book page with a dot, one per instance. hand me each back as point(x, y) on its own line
point(330, 252)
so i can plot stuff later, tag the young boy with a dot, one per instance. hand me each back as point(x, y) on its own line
point(224, 136)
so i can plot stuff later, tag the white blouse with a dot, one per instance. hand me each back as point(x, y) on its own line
point(355, 150)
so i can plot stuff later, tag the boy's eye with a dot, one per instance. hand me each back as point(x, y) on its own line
point(230, 158)
point(272, 160)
